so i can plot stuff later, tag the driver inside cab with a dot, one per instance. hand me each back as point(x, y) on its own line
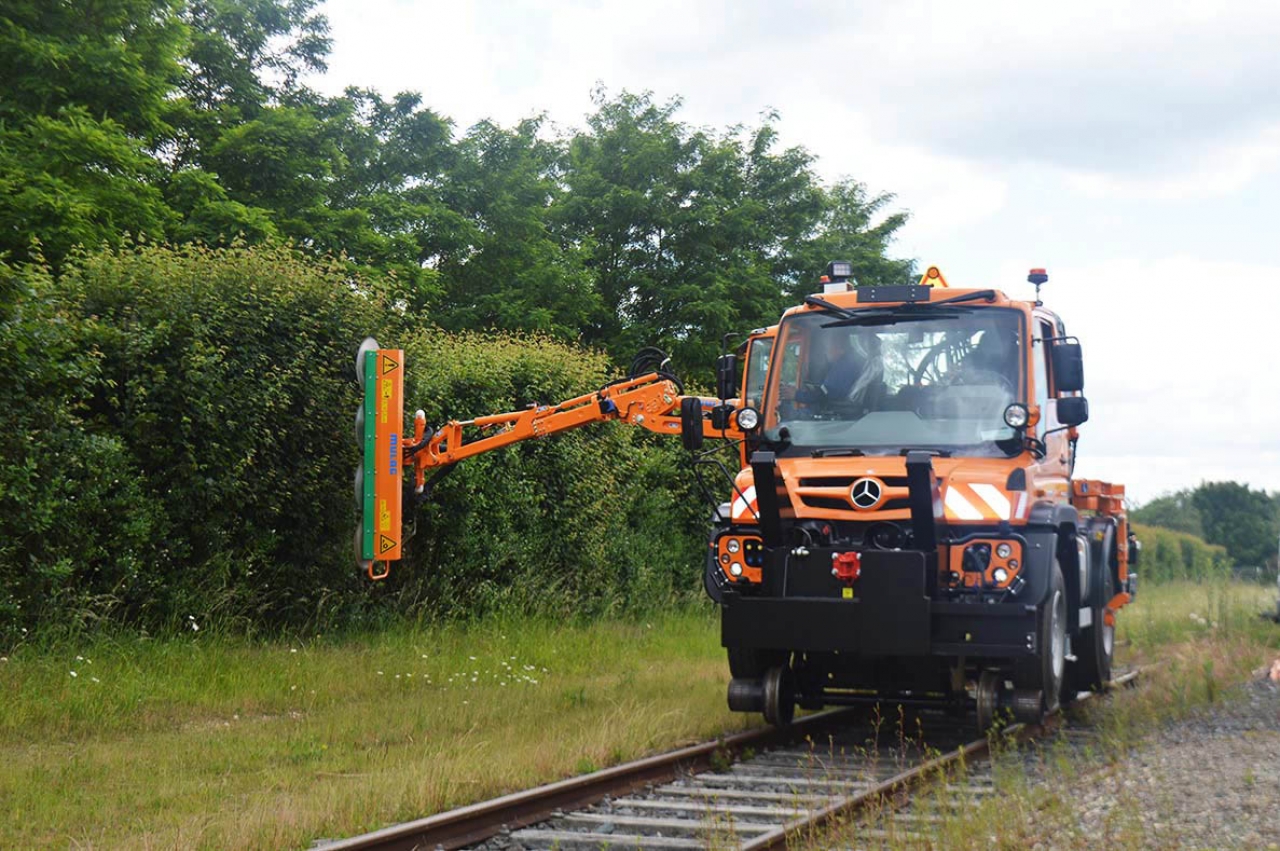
point(994, 360)
point(853, 369)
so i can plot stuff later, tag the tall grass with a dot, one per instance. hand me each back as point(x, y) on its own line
point(216, 742)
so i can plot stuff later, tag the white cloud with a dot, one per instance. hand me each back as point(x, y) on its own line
point(1219, 172)
point(1134, 147)
point(1179, 365)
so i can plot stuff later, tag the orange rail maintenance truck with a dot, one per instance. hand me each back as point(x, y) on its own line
point(905, 524)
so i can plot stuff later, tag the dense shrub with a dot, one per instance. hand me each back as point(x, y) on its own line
point(76, 524)
point(1167, 554)
point(603, 517)
point(176, 427)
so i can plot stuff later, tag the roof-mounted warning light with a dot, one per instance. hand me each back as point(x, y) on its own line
point(838, 277)
point(1038, 277)
point(933, 278)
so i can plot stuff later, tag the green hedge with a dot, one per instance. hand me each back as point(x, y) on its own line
point(177, 443)
point(1167, 554)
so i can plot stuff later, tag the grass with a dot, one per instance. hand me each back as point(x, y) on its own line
point(207, 741)
point(213, 742)
point(1199, 638)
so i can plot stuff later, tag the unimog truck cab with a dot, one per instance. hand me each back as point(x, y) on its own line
point(904, 524)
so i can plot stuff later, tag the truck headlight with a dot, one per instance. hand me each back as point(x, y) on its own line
point(748, 419)
point(1004, 550)
point(1016, 415)
point(732, 545)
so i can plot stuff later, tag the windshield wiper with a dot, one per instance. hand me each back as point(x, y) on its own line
point(985, 295)
point(831, 453)
point(892, 316)
point(939, 453)
point(827, 307)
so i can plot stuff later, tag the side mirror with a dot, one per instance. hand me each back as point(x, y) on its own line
point(691, 423)
point(1068, 366)
point(1073, 410)
point(727, 376)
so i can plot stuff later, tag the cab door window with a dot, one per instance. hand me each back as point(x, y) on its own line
point(1040, 350)
point(757, 370)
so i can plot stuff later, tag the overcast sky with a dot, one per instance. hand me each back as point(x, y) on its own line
point(1133, 149)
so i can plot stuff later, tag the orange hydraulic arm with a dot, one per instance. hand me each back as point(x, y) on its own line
point(651, 401)
point(649, 397)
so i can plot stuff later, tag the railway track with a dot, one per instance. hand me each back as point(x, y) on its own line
point(755, 790)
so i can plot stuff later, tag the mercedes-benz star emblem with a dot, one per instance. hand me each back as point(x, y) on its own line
point(866, 493)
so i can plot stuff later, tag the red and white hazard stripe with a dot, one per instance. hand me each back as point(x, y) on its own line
point(981, 501)
point(745, 506)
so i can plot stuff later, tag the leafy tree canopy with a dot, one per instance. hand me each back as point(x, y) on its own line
point(1244, 521)
point(190, 121)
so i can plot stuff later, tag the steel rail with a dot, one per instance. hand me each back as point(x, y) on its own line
point(906, 780)
point(478, 822)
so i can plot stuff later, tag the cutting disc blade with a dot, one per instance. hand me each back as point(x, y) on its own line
point(369, 345)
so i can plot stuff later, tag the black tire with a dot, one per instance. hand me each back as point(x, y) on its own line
point(1047, 670)
point(751, 664)
point(1097, 643)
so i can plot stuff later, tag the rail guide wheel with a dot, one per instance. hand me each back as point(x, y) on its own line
point(990, 684)
point(779, 696)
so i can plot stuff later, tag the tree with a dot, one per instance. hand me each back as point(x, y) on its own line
point(1239, 518)
point(691, 234)
point(85, 97)
point(514, 273)
point(1175, 511)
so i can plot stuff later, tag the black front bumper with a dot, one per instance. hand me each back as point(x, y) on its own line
point(891, 613)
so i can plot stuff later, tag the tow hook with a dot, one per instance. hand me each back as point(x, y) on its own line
point(846, 566)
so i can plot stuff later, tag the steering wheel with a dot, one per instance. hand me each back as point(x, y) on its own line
point(930, 366)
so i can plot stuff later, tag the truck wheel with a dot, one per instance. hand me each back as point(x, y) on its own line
point(779, 696)
point(1092, 669)
point(1045, 672)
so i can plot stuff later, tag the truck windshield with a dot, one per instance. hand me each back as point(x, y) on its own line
point(917, 380)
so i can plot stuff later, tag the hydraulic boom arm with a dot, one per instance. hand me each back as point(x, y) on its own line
point(651, 400)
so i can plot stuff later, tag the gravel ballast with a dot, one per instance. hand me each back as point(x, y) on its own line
point(1209, 781)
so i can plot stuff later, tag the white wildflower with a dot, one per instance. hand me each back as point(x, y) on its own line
point(74, 674)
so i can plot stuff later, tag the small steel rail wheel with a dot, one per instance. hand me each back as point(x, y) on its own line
point(1027, 706)
point(779, 696)
point(988, 699)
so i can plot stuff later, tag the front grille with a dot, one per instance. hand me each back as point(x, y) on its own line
point(844, 505)
point(847, 481)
